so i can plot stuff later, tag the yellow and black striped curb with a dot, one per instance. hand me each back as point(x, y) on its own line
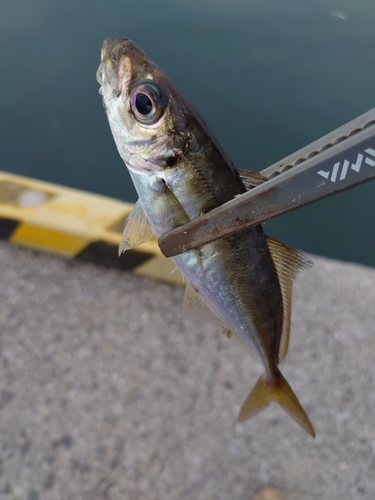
point(74, 224)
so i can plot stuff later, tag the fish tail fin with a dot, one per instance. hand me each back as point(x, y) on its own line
point(265, 391)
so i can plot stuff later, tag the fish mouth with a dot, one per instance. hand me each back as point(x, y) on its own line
point(121, 61)
point(111, 54)
point(114, 49)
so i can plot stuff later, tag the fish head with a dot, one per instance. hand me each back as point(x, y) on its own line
point(149, 118)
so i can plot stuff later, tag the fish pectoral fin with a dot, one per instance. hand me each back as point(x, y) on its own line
point(195, 305)
point(264, 392)
point(288, 263)
point(251, 179)
point(137, 229)
point(174, 214)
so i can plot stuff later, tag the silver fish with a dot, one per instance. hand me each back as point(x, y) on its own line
point(242, 282)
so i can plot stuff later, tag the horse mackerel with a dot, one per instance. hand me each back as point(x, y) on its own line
point(242, 282)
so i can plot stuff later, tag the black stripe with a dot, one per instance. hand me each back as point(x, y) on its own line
point(7, 226)
point(106, 254)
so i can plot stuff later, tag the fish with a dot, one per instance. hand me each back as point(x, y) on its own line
point(241, 282)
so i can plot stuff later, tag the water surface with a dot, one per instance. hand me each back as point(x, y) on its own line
point(268, 76)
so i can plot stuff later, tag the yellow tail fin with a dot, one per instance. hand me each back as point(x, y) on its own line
point(276, 390)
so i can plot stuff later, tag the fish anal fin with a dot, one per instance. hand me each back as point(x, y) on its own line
point(137, 229)
point(264, 392)
point(195, 305)
point(288, 263)
point(250, 178)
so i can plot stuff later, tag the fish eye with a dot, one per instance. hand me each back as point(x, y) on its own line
point(143, 104)
point(147, 103)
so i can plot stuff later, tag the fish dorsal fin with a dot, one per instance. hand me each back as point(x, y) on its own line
point(250, 178)
point(288, 263)
point(137, 229)
point(195, 305)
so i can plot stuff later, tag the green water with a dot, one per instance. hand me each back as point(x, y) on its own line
point(269, 76)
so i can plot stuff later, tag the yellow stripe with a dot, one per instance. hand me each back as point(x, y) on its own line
point(48, 240)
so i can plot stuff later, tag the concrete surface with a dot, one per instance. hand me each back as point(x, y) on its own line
point(108, 392)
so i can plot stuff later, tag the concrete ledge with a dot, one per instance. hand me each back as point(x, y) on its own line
point(76, 225)
point(108, 392)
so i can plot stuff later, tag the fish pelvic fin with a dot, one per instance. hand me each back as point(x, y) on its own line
point(278, 389)
point(137, 229)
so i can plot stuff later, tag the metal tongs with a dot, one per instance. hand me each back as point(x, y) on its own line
point(338, 161)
